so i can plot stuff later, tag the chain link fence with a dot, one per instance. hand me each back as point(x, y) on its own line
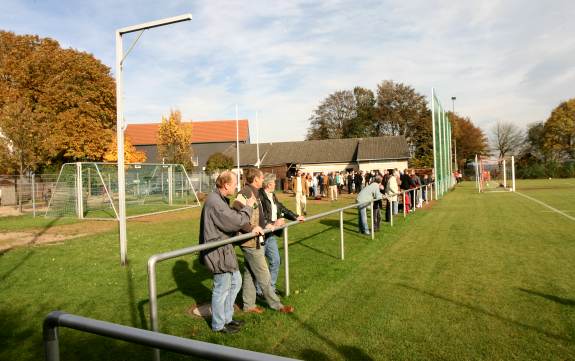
point(30, 193)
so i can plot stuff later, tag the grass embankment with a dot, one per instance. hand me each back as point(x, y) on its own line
point(478, 276)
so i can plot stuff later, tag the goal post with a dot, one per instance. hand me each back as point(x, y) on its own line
point(495, 175)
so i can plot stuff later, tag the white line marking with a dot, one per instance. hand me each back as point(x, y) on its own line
point(546, 205)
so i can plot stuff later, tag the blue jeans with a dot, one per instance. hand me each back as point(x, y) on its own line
point(226, 288)
point(362, 214)
point(274, 261)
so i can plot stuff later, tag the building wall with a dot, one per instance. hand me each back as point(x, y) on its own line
point(328, 167)
point(381, 165)
point(201, 150)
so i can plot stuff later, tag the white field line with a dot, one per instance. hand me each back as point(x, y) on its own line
point(546, 205)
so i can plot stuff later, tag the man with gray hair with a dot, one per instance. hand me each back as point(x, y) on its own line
point(370, 193)
point(274, 213)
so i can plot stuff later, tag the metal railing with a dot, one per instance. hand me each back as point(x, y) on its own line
point(160, 257)
point(428, 195)
point(157, 258)
point(180, 345)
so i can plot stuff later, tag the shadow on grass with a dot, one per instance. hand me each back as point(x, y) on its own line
point(487, 313)
point(189, 282)
point(349, 353)
point(30, 253)
point(560, 300)
point(301, 240)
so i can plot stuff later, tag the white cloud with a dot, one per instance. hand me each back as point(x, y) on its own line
point(503, 60)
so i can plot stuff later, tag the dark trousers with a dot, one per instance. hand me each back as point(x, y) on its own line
point(376, 214)
point(388, 211)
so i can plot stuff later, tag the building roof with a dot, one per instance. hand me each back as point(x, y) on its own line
point(214, 131)
point(323, 151)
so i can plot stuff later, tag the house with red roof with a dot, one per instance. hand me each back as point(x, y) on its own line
point(208, 137)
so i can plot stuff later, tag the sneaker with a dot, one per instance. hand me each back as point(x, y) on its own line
point(235, 323)
point(256, 309)
point(228, 330)
point(286, 309)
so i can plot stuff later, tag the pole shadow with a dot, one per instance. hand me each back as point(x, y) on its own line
point(487, 313)
point(560, 300)
point(30, 253)
point(189, 282)
point(350, 353)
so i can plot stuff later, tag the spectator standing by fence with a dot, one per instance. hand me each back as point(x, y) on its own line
point(218, 222)
point(299, 184)
point(370, 193)
point(274, 214)
point(256, 267)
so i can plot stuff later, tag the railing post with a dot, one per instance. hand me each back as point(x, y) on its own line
point(50, 337)
point(372, 223)
point(153, 301)
point(34, 195)
point(403, 195)
point(341, 235)
point(390, 211)
point(286, 260)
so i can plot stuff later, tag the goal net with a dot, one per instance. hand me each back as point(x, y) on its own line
point(494, 175)
point(90, 190)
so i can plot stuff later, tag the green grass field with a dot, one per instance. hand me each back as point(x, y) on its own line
point(474, 277)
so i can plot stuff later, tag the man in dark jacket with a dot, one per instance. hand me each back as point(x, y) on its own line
point(274, 214)
point(358, 181)
point(219, 222)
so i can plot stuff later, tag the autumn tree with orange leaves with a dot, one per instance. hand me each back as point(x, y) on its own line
point(56, 105)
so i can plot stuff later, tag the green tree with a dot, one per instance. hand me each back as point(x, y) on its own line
point(218, 162)
point(469, 139)
point(333, 115)
point(559, 131)
point(400, 110)
point(56, 104)
point(175, 139)
point(361, 125)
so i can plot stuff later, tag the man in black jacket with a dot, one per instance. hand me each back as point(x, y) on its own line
point(274, 214)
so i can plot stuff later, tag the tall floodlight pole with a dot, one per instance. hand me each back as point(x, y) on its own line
point(238, 146)
point(454, 139)
point(121, 126)
point(258, 139)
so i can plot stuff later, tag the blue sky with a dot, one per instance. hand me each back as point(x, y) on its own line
point(503, 60)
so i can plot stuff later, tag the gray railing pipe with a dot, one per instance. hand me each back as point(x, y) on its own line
point(176, 344)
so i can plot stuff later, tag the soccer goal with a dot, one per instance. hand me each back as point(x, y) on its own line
point(90, 190)
point(495, 175)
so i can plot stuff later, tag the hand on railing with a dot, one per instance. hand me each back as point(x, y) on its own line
point(258, 231)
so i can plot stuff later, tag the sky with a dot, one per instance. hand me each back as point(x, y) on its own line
point(511, 61)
